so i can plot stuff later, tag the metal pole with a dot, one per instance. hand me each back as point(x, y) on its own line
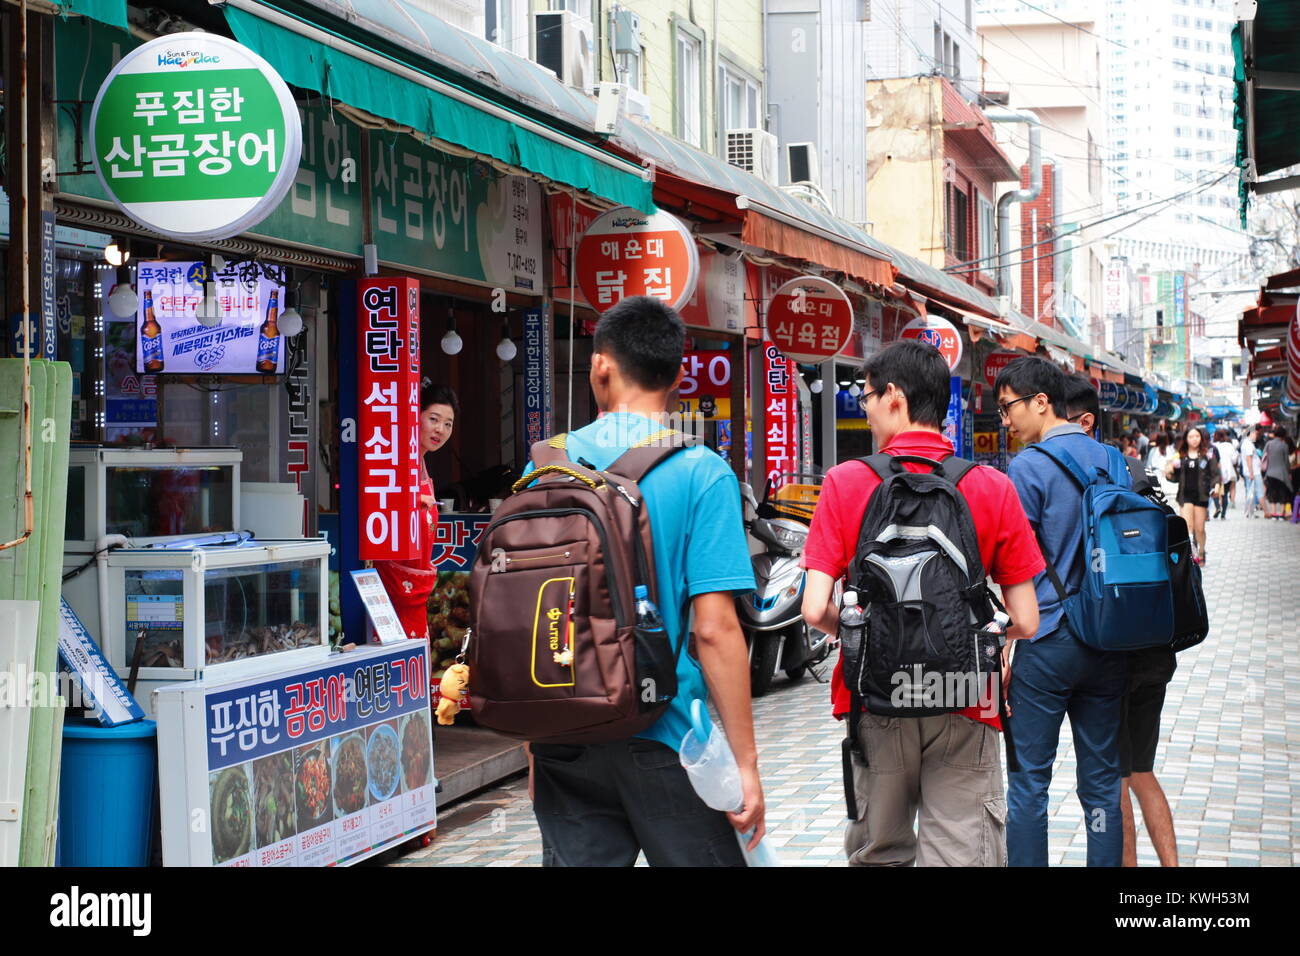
point(29, 509)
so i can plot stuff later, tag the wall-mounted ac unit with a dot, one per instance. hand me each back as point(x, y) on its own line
point(637, 105)
point(801, 161)
point(755, 151)
point(563, 43)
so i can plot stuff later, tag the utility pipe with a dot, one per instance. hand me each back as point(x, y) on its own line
point(1001, 115)
point(24, 214)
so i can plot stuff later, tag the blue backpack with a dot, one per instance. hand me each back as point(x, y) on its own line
point(1126, 601)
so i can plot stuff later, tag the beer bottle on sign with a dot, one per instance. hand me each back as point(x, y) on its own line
point(268, 342)
point(151, 342)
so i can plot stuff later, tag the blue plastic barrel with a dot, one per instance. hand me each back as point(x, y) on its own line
point(106, 793)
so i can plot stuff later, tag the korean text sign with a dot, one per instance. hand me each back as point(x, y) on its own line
point(780, 415)
point(810, 319)
point(940, 333)
point(537, 375)
point(195, 136)
point(169, 337)
point(388, 411)
point(626, 253)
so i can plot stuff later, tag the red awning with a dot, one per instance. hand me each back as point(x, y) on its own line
point(765, 232)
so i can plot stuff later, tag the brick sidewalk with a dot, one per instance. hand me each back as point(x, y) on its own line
point(1229, 758)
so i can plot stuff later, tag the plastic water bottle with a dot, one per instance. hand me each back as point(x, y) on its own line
point(647, 615)
point(852, 624)
point(653, 651)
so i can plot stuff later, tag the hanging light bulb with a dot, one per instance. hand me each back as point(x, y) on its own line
point(290, 322)
point(116, 253)
point(123, 301)
point(854, 390)
point(451, 342)
point(506, 348)
point(816, 386)
point(208, 313)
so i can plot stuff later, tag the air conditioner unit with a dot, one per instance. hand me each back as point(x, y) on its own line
point(637, 105)
point(563, 43)
point(755, 151)
point(801, 162)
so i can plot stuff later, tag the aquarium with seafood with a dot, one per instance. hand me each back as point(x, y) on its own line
point(176, 613)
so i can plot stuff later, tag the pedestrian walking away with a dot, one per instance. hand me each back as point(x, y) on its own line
point(1277, 473)
point(928, 789)
point(600, 804)
point(1056, 674)
point(1196, 474)
point(1226, 453)
point(1248, 457)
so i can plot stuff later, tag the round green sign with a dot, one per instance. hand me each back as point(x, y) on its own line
point(195, 136)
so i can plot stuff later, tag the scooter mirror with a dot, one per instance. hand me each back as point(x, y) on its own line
point(747, 495)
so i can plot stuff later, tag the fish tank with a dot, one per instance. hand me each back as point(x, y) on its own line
point(177, 613)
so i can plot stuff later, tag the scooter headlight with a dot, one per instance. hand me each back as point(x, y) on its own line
point(790, 538)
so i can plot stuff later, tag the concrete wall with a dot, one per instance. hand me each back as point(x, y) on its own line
point(905, 165)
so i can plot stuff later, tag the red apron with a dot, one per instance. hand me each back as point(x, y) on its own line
point(409, 583)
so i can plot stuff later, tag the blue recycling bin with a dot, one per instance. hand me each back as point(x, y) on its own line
point(106, 793)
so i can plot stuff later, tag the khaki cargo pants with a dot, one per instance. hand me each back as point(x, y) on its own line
point(944, 773)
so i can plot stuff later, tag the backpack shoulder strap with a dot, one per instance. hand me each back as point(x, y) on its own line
point(955, 469)
point(881, 463)
point(550, 451)
point(1066, 461)
point(651, 451)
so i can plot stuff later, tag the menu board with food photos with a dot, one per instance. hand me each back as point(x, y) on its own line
point(321, 765)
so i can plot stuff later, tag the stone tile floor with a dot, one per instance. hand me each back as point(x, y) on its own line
point(1229, 759)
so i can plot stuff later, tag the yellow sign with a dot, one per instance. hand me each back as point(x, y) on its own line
point(986, 443)
point(713, 410)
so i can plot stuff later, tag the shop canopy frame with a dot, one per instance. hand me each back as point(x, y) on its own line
point(398, 62)
point(1266, 94)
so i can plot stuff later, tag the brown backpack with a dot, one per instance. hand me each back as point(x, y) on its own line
point(554, 652)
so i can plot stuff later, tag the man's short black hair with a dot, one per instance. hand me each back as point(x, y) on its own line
point(1029, 375)
point(645, 338)
point(1081, 397)
point(919, 372)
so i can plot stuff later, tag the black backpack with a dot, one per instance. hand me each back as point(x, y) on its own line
point(920, 581)
point(1191, 616)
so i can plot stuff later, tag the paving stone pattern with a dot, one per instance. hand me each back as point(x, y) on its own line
point(1229, 758)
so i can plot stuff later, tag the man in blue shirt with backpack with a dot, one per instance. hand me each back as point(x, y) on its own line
point(1057, 673)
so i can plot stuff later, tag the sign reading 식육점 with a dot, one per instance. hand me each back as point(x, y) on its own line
point(810, 319)
point(195, 136)
point(626, 253)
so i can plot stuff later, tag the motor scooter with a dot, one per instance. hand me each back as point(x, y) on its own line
point(771, 615)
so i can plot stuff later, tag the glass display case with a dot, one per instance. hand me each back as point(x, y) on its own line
point(176, 613)
point(150, 494)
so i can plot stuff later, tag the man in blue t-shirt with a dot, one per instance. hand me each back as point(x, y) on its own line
point(1056, 674)
point(601, 804)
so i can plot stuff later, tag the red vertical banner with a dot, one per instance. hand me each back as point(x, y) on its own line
point(388, 413)
point(780, 415)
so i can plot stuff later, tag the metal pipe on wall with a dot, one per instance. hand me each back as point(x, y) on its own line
point(999, 115)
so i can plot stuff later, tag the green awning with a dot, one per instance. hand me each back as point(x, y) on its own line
point(1267, 119)
point(110, 12)
point(312, 65)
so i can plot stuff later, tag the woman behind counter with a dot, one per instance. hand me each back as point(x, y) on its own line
point(409, 583)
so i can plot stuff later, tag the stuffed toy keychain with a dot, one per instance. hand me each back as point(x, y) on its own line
point(455, 682)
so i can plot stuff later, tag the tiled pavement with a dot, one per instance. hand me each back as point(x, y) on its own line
point(1229, 758)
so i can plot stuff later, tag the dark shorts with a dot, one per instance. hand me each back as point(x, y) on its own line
point(1139, 724)
point(602, 804)
point(1202, 503)
point(1277, 491)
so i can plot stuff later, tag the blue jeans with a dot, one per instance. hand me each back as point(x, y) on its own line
point(1051, 677)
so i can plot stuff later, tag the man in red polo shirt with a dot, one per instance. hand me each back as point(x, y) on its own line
point(945, 767)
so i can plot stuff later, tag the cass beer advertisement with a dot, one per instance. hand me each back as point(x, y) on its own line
point(246, 339)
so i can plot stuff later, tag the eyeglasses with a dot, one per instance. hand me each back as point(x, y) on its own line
point(1005, 409)
point(1075, 418)
point(862, 399)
